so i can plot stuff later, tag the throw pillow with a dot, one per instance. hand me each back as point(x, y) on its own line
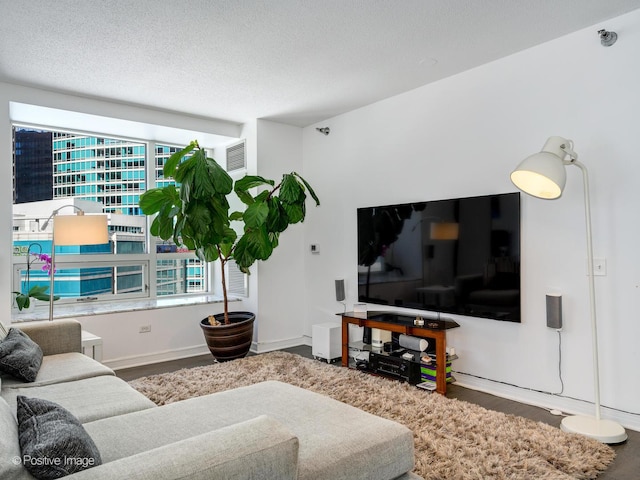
point(53, 442)
point(20, 356)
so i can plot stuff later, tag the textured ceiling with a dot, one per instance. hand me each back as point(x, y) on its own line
point(294, 61)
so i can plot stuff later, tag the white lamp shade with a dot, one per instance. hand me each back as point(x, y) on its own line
point(542, 175)
point(80, 230)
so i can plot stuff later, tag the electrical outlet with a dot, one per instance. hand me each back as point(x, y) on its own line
point(145, 329)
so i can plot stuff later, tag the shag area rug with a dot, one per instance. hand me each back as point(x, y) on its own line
point(453, 439)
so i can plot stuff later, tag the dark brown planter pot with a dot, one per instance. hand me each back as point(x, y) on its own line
point(228, 342)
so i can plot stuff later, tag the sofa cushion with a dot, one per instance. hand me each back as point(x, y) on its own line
point(64, 367)
point(260, 448)
point(88, 399)
point(53, 442)
point(337, 441)
point(10, 463)
point(61, 336)
point(20, 356)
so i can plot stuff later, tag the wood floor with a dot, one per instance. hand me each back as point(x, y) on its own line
point(626, 466)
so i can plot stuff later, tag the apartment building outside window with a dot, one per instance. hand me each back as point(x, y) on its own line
point(98, 174)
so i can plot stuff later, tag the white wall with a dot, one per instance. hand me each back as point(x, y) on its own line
point(175, 333)
point(461, 137)
point(281, 294)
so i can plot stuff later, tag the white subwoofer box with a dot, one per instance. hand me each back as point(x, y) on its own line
point(379, 337)
point(326, 341)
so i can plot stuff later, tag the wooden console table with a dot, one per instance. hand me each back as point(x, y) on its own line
point(394, 322)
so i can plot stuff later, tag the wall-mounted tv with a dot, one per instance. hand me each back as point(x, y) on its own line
point(453, 256)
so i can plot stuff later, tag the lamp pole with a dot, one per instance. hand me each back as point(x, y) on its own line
point(592, 288)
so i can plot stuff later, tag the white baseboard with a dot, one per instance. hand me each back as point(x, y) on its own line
point(264, 347)
point(194, 351)
point(545, 401)
point(156, 357)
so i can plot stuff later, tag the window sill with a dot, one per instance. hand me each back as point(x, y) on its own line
point(84, 309)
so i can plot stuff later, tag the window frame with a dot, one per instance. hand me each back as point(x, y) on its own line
point(149, 259)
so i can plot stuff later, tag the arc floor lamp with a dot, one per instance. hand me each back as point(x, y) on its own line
point(78, 229)
point(543, 175)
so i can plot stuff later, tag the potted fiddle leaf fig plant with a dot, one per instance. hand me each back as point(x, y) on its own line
point(196, 214)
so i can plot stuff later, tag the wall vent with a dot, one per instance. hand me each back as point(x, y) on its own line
point(237, 282)
point(236, 158)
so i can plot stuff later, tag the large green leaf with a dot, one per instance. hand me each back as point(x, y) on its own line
point(290, 190)
point(258, 243)
point(199, 216)
point(274, 239)
point(153, 200)
point(277, 220)
point(228, 241)
point(222, 182)
point(185, 177)
point(173, 161)
point(155, 227)
point(219, 209)
point(245, 197)
point(295, 211)
point(263, 196)
point(256, 214)
point(208, 253)
point(186, 241)
point(311, 192)
point(248, 182)
point(163, 227)
point(241, 254)
point(251, 181)
point(202, 181)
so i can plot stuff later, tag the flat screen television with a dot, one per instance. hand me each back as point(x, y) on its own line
point(457, 256)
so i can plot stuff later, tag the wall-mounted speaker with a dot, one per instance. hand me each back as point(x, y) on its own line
point(340, 290)
point(554, 311)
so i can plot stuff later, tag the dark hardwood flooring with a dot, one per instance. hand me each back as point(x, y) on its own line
point(626, 466)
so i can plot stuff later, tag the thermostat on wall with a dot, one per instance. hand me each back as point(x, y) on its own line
point(315, 248)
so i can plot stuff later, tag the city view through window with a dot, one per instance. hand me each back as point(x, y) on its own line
point(53, 169)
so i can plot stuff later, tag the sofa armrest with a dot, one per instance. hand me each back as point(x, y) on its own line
point(257, 448)
point(58, 336)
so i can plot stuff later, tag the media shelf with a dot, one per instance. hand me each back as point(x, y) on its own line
point(394, 322)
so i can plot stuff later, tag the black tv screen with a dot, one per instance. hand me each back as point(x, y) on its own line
point(453, 256)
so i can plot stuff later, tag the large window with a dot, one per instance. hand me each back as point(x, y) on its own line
point(98, 174)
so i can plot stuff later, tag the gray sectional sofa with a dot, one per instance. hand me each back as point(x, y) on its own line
point(269, 430)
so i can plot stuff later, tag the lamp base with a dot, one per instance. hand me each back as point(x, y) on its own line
point(605, 431)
